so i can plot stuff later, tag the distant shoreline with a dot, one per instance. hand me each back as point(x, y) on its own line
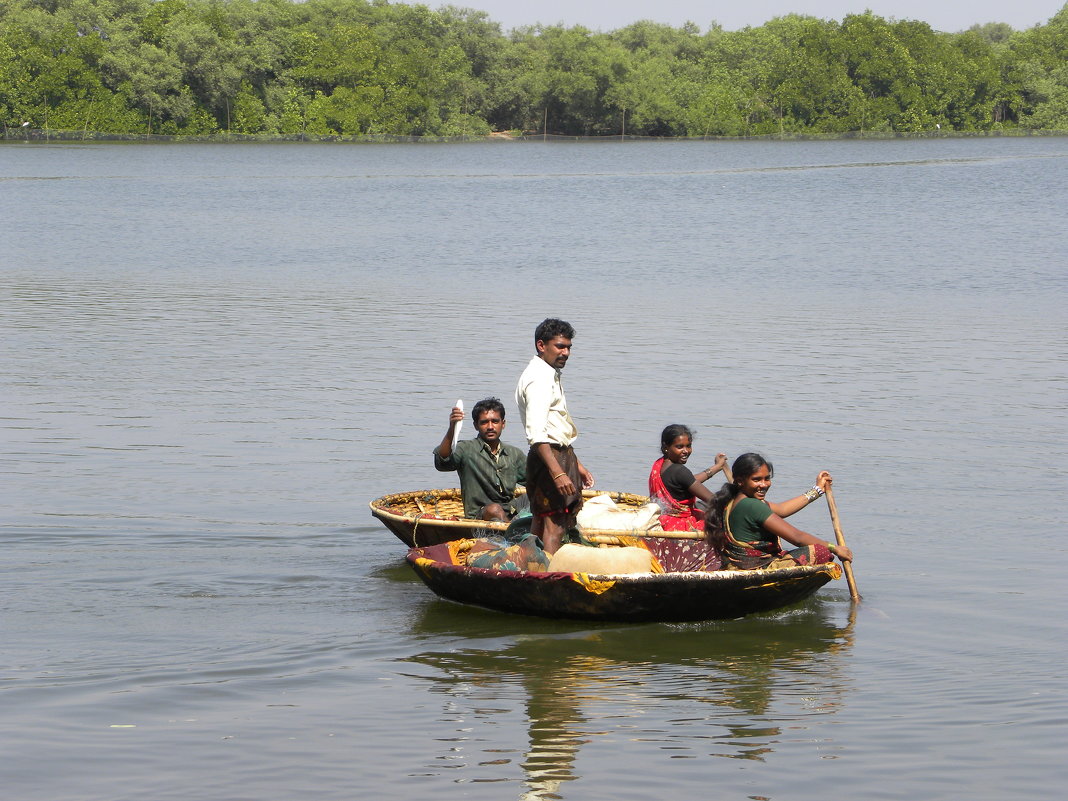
point(45, 136)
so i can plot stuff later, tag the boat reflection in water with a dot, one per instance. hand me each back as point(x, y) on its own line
point(718, 689)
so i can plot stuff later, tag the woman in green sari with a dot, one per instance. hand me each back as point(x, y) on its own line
point(746, 529)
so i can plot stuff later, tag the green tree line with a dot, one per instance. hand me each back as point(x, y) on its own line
point(368, 67)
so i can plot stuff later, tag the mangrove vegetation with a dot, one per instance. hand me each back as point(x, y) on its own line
point(367, 68)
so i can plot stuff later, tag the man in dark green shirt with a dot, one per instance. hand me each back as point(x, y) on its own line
point(489, 470)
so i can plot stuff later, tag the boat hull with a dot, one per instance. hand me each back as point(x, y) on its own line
point(665, 597)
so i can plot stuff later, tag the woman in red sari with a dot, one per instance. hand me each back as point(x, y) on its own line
point(674, 487)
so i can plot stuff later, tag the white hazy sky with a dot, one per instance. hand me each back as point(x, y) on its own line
point(606, 15)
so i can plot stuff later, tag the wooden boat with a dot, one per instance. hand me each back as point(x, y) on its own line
point(681, 593)
point(429, 517)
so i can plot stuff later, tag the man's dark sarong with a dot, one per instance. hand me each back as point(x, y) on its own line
point(545, 499)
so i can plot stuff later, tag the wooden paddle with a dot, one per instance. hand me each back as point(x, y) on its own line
point(840, 537)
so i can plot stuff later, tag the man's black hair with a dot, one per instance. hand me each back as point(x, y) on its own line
point(551, 328)
point(487, 405)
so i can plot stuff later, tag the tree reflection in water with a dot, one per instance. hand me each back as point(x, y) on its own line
point(581, 684)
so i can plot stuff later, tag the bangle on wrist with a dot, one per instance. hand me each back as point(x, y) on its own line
point(558, 475)
point(813, 494)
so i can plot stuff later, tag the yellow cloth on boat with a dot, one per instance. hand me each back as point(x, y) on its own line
point(592, 585)
point(458, 551)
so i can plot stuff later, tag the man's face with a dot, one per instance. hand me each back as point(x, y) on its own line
point(554, 351)
point(490, 425)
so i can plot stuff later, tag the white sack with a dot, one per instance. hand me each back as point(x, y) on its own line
point(573, 558)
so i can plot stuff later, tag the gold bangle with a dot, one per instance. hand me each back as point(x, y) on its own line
point(558, 475)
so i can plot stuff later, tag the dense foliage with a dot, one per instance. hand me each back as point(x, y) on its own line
point(365, 67)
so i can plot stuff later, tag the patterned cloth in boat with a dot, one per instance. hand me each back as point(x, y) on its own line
point(684, 556)
point(526, 554)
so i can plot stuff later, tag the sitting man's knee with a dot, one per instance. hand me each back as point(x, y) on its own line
point(494, 511)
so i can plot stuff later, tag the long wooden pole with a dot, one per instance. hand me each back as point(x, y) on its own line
point(840, 537)
point(727, 474)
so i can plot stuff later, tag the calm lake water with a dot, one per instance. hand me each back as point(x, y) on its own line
point(215, 356)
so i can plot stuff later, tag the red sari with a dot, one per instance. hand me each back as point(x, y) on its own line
point(678, 515)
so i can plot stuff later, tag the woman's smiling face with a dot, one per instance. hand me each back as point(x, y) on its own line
point(679, 450)
point(756, 484)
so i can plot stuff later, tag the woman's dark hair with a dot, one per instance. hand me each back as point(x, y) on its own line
point(672, 433)
point(716, 518)
point(487, 405)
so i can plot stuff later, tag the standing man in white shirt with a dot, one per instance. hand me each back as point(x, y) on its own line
point(555, 476)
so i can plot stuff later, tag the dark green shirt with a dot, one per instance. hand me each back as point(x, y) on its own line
point(484, 478)
point(747, 521)
point(752, 544)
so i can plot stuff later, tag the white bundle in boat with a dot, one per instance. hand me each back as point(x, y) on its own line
point(601, 512)
point(574, 558)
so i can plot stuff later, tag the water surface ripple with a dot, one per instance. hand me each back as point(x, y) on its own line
point(215, 356)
